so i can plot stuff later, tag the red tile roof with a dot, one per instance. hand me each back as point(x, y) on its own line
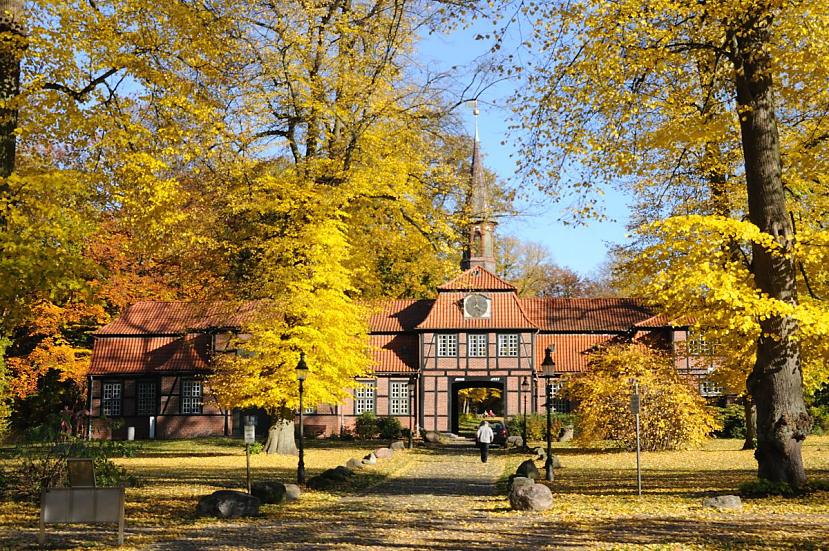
point(506, 313)
point(399, 315)
point(477, 279)
point(177, 318)
point(662, 320)
point(585, 314)
point(395, 353)
point(150, 355)
point(572, 351)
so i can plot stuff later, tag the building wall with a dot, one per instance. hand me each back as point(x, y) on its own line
point(170, 422)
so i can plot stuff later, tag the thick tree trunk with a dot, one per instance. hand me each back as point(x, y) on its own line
point(776, 380)
point(11, 48)
point(281, 438)
point(751, 423)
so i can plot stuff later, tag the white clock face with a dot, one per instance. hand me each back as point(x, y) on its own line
point(476, 306)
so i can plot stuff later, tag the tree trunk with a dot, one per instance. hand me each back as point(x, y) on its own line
point(281, 438)
point(11, 49)
point(751, 423)
point(775, 383)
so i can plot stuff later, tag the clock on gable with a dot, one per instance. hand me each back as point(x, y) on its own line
point(476, 305)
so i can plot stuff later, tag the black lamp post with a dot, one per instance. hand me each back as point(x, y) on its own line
point(301, 374)
point(548, 367)
point(525, 389)
point(411, 412)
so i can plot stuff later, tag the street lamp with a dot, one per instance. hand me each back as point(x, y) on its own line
point(548, 369)
point(525, 389)
point(411, 412)
point(301, 374)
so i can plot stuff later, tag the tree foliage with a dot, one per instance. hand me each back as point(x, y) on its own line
point(673, 414)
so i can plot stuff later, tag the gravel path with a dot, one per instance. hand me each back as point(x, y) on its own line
point(445, 498)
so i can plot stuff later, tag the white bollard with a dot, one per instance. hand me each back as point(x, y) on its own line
point(130, 433)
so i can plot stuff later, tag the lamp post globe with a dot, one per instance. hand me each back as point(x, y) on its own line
point(548, 369)
point(301, 375)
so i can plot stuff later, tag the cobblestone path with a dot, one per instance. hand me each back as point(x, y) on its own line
point(445, 498)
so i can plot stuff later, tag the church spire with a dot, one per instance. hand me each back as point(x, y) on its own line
point(480, 247)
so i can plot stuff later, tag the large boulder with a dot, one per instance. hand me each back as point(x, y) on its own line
point(383, 453)
point(292, 492)
point(566, 434)
point(344, 471)
point(528, 469)
point(518, 481)
point(336, 475)
point(268, 491)
point(370, 459)
point(431, 436)
point(723, 503)
point(322, 483)
point(515, 442)
point(397, 446)
point(228, 504)
point(535, 497)
point(354, 464)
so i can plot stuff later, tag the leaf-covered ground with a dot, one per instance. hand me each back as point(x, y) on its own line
point(444, 498)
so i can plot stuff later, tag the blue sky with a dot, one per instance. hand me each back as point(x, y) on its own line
point(581, 248)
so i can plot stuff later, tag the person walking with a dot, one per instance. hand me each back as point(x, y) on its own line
point(484, 438)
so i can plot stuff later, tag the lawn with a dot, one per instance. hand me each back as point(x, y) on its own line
point(174, 474)
point(595, 502)
point(595, 499)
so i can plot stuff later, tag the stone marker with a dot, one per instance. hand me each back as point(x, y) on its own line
point(292, 492)
point(354, 464)
point(228, 504)
point(519, 481)
point(383, 453)
point(431, 436)
point(535, 497)
point(566, 434)
point(723, 503)
point(370, 459)
point(397, 446)
point(528, 469)
point(268, 491)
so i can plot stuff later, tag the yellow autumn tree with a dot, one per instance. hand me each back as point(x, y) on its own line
point(644, 95)
point(300, 249)
point(672, 415)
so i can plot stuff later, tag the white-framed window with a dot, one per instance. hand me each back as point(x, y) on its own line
point(191, 397)
point(508, 344)
point(476, 344)
point(560, 403)
point(698, 345)
point(145, 398)
point(309, 411)
point(398, 397)
point(447, 346)
point(710, 388)
point(111, 399)
point(364, 396)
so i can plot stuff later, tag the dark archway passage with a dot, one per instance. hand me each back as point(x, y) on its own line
point(471, 382)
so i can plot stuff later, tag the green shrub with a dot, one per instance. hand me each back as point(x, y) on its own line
point(537, 425)
point(366, 425)
point(764, 488)
point(389, 427)
point(820, 419)
point(41, 465)
point(256, 448)
point(733, 421)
